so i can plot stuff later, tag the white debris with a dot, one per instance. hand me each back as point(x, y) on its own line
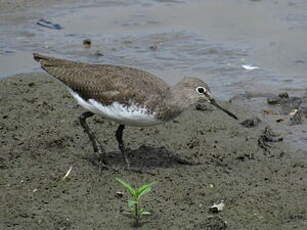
point(249, 67)
point(67, 173)
point(292, 113)
point(217, 207)
point(119, 194)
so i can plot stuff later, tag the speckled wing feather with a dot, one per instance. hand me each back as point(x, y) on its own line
point(106, 83)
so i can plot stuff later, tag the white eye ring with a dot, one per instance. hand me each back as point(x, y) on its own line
point(201, 90)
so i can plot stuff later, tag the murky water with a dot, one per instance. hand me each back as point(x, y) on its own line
point(208, 39)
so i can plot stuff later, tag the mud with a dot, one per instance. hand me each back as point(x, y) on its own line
point(41, 139)
point(284, 112)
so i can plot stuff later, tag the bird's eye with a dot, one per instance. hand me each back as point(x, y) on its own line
point(200, 90)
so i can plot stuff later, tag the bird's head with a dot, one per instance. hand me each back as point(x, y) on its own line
point(195, 90)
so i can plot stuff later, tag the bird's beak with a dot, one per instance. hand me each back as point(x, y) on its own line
point(213, 102)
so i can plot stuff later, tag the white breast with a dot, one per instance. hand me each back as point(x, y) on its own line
point(133, 115)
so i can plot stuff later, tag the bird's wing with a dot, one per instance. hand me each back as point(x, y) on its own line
point(105, 83)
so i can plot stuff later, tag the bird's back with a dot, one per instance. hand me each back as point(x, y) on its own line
point(106, 83)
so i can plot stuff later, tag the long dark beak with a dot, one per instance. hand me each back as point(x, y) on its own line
point(213, 102)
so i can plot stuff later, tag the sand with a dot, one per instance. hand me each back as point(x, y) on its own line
point(262, 188)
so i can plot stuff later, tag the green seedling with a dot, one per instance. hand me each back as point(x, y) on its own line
point(136, 194)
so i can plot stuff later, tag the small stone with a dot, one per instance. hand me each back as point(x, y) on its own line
point(273, 100)
point(211, 185)
point(296, 117)
point(283, 95)
point(119, 194)
point(87, 43)
point(217, 207)
point(251, 122)
point(31, 84)
point(98, 53)
point(203, 107)
point(153, 47)
point(292, 113)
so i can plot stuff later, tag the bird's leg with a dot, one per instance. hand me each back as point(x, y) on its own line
point(121, 145)
point(96, 145)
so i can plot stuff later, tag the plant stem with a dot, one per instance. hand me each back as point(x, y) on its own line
point(136, 214)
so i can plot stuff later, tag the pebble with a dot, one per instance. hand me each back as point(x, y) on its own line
point(296, 118)
point(283, 95)
point(251, 122)
point(98, 53)
point(217, 207)
point(87, 43)
point(274, 100)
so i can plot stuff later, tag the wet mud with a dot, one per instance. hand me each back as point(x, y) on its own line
point(40, 139)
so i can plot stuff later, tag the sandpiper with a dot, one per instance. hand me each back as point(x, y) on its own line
point(126, 95)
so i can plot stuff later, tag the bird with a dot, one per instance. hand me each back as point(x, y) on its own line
point(125, 95)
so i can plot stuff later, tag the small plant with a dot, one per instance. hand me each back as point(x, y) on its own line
point(136, 194)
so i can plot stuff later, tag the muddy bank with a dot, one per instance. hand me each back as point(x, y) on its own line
point(41, 138)
point(286, 114)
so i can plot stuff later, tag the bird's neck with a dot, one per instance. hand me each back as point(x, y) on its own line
point(173, 104)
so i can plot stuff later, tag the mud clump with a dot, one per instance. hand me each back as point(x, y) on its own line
point(251, 122)
point(41, 138)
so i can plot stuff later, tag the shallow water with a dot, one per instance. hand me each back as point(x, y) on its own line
point(208, 39)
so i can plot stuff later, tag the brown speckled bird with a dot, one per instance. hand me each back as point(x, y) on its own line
point(125, 95)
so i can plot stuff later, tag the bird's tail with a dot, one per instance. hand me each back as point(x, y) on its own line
point(63, 70)
point(47, 61)
point(38, 57)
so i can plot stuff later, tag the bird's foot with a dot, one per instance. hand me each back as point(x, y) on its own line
point(102, 164)
point(98, 161)
point(100, 154)
point(127, 162)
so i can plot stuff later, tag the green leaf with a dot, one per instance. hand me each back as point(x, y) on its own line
point(127, 186)
point(131, 203)
point(144, 189)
